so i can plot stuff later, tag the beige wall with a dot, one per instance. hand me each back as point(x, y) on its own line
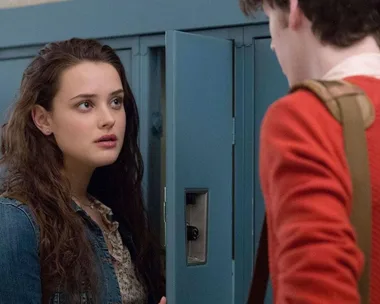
point(18, 3)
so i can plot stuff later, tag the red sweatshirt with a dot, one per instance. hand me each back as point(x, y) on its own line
point(307, 189)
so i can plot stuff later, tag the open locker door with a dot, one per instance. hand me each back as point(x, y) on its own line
point(199, 94)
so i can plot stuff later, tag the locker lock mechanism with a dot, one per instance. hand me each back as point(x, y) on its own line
point(192, 232)
point(196, 220)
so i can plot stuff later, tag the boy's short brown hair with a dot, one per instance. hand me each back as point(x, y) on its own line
point(340, 23)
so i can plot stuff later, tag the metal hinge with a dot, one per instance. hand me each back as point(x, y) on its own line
point(165, 205)
point(233, 130)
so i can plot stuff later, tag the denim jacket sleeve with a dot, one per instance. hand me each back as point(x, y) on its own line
point(20, 280)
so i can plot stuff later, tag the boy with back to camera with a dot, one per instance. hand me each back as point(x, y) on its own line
point(313, 248)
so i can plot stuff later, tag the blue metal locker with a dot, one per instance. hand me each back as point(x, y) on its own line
point(199, 167)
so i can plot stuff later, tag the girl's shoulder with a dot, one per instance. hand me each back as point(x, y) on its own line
point(17, 221)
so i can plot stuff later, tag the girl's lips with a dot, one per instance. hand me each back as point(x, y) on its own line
point(107, 144)
point(108, 137)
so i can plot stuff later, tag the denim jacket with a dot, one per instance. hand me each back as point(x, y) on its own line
point(20, 281)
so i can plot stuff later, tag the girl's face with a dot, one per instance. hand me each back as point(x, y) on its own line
point(87, 118)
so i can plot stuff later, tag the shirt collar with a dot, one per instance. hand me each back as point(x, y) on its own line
point(367, 64)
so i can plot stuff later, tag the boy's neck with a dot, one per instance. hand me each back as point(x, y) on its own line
point(324, 58)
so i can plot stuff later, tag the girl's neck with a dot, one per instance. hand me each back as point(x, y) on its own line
point(79, 177)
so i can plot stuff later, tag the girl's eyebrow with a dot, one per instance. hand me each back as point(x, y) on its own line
point(117, 92)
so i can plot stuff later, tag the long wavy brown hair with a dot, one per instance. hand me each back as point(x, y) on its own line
point(34, 166)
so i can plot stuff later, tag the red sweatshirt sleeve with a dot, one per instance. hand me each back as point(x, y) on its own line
point(307, 190)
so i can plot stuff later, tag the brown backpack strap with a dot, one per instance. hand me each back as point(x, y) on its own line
point(261, 271)
point(351, 107)
point(331, 94)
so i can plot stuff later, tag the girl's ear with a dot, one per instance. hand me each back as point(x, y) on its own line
point(42, 120)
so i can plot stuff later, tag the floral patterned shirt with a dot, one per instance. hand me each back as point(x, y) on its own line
point(132, 290)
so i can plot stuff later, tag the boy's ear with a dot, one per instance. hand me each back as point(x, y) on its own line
point(295, 15)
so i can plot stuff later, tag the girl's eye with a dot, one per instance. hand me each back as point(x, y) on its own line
point(84, 105)
point(117, 103)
